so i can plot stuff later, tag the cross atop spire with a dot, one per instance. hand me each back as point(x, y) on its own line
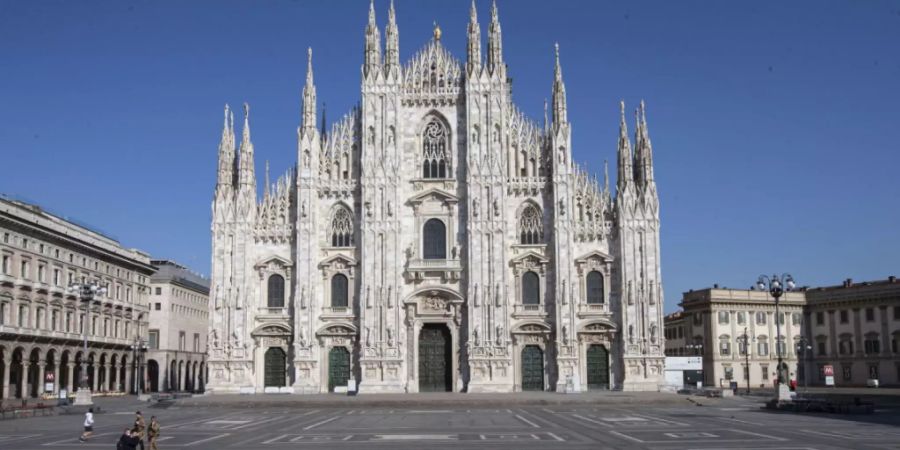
point(373, 43)
point(246, 175)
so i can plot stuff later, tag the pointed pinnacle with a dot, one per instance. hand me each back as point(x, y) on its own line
point(391, 13)
point(494, 14)
point(473, 13)
point(558, 68)
point(372, 13)
point(606, 174)
point(545, 113)
point(246, 120)
point(309, 69)
point(227, 111)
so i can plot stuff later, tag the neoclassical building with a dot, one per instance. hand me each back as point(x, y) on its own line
point(435, 239)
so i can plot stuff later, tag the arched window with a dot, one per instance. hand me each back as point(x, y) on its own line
point(435, 147)
point(594, 288)
point(531, 289)
point(276, 291)
point(530, 225)
point(339, 291)
point(341, 228)
point(434, 240)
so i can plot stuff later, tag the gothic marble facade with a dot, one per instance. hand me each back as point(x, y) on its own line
point(435, 238)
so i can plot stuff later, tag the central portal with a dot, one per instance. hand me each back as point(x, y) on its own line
point(435, 364)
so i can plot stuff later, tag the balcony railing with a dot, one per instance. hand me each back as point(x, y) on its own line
point(272, 311)
point(419, 267)
point(530, 310)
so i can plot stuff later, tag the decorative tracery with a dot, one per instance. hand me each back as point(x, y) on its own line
point(435, 143)
point(341, 228)
point(531, 229)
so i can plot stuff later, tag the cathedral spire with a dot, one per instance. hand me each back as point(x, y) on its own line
point(625, 173)
point(226, 151)
point(546, 117)
point(247, 175)
point(495, 43)
point(605, 175)
point(559, 94)
point(373, 44)
point(324, 132)
point(266, 190)
point(309, 97)
point(643, 149)
point(473, 54)
point(392, 44)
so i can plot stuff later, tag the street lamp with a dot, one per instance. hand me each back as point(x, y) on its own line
point(777, 286)
point(86, 291)
point(745, 341)
point(803, 347)
point(698, 348)
point(139, 348)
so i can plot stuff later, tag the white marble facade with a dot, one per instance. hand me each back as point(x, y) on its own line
point(435, 238)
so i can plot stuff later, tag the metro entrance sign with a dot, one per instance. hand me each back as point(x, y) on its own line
point(828, 371)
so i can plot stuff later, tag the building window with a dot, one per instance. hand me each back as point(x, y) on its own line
point(872, 345)
point(41, 270)
point(435, 142)
point(870, 314)
point(820, 318)
point(781, 348)
point(24, 269)
point(339, 291)
point(6, 264)
point(729, 373)
point(821, 349)
point(158, 306)
point(723, 317)
point(158, 291)
point(724, 345)
point(594, 288)
point(795, 319)
point(530, 225)
point(39, 318)
point(153, 340)
point(844, 316)
point(196, 342)
point(341, 228)
point(181, 343)
point(765, 372)
point(434, 240)
point(531, 289)
point(23, 316)
point(698, 318)
point(762, 347)
point(897, 313)
point(760, 318)
point(127, 327)
point(68, 322)
point(847, 372)
point(895, 344)
point(56, 277)
point(276, 291)
point(741, 318)
point(873, 371)
point(54, 317)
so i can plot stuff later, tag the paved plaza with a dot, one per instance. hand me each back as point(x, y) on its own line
point(636, 421)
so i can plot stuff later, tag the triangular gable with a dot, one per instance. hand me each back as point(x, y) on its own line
point(530, 254)
point(445, 196)
point(270, 259)
point(347, 260)
point(594, 254)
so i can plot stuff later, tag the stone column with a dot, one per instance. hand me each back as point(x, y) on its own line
point(7, 361)
point(42, 367)
point(114, 377)
point(96, 380)
point(181, 377)
point(26, 372)
point(55, 377)
point(128, 382)
point(70, 369)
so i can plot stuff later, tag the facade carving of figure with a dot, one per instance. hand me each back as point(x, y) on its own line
point(426, 212)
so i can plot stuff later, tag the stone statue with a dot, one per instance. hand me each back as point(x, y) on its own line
point(475, 336)
point(368, 337)
point(499, 334)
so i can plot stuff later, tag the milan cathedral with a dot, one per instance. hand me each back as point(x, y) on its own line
point(435, 239)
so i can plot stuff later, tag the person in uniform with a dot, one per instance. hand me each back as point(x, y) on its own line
point(153, 433)
point(139, 426)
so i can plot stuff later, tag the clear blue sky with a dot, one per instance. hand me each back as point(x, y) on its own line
point(775, 125)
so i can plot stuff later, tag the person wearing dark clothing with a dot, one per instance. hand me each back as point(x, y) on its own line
point(128, 441)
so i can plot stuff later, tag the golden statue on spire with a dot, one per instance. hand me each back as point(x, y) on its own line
point(437, 31)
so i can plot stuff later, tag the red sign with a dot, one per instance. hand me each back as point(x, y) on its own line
point(829, 370)
point(48, 376)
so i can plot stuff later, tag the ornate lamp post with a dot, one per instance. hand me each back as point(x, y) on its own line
point(139, 349)
point(777, 286)
point(86, 293)
point(698, 348)
point(802, 348)
point(745, 341)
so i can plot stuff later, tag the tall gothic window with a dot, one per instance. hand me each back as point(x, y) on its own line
point(339, 291)
point(531, 289)
point(434, 240)
point(276, 291)
point(341, 228)
point(530, 225)
point(435, 145)
point(594, 288)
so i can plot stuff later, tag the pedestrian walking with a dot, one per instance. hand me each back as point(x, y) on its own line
point(153, 433)
point(128, 441)
point(139, 427)
point(88, 425)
